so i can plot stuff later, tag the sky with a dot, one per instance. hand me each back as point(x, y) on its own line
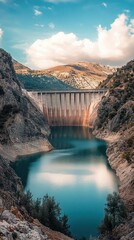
point(47, 33)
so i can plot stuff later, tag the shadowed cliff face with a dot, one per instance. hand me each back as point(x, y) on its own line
point(10, 184)
point(20, 121)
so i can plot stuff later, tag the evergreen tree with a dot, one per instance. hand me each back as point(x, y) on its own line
point(47, 211)
point(115, 213)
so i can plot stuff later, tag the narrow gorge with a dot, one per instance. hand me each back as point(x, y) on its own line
point(24, 131)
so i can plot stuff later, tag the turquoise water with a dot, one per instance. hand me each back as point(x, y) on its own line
point(76, 173)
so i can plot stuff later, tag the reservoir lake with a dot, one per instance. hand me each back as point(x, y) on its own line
point(76, 173)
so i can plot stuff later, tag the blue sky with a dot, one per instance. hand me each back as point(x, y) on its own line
point(23, 22)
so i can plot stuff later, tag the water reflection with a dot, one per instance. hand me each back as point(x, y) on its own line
point(77, 173)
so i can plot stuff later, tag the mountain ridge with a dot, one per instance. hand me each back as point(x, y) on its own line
point(80, 75)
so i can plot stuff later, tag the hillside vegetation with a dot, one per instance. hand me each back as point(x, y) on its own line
point(117, 109)
point(46, 83)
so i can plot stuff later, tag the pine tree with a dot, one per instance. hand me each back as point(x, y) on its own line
point(115, 213)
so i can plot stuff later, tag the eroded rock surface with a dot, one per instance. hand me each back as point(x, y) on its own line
point(13, 225)
point(20, 120)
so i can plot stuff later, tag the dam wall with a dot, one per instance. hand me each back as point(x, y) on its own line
point(69, 108)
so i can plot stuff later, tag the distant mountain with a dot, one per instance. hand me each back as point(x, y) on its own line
point(32, 81)
point(82, 75)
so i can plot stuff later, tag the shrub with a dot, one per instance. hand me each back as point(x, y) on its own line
point(47, 211)
point(116, 83)
point(130, 142)
point(14, 235)
point(127, 156)
point(115, 213)
point(112, 114)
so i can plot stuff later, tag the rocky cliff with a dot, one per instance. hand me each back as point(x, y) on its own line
point(115, 124)
point(20, 120)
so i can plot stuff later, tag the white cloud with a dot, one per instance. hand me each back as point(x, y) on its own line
point(39, 25)
point(37, 12)
point(104, 4)
point(57, 179)
point(113, 46)
point(1, 33)
point(21, 46)
point(51, 25)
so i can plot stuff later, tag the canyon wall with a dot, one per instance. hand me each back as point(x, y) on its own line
point(20, 121)
point(115, 124)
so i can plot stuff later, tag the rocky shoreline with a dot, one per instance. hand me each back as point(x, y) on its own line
point(123, 169)
point(125, 172)
point(16, 150)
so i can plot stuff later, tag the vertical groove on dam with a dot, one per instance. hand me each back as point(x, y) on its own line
point(69, 108)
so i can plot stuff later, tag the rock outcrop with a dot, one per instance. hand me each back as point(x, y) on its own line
point(13, 225)
point(115, 124)
point(20, 121)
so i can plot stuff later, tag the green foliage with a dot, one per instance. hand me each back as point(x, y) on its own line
point(130, 142)
point(116, 83)
point(121, 91)
point(26, 200)
point(115, 213)
point(47, 211)
point(14, 235)
point(31, 82)
point(127, 156)
point(112, 114)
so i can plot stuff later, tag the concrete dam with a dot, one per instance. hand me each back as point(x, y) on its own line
point(69, 108)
